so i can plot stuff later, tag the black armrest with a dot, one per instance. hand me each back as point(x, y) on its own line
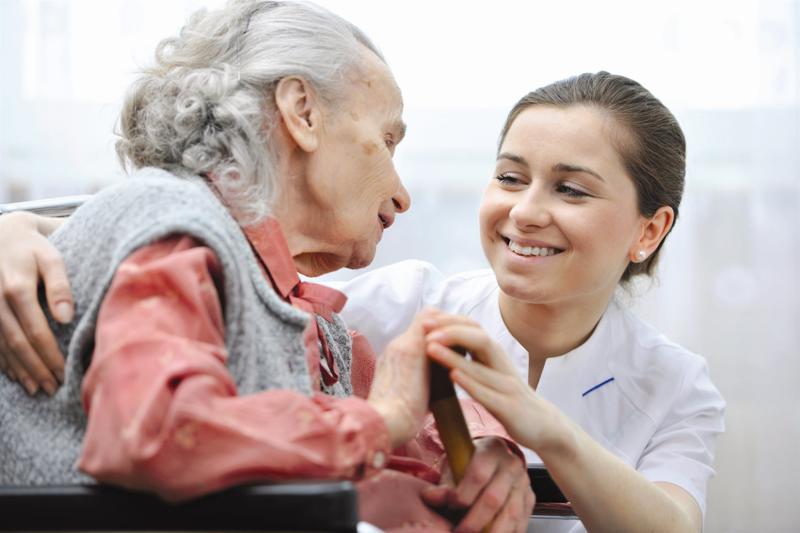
point(550, 501)
point(313, 506)
point(543, 485)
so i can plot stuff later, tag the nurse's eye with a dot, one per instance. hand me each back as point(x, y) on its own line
point(508, 179)
point(570, 191)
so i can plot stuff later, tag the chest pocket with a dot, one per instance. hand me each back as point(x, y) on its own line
point(616, 423)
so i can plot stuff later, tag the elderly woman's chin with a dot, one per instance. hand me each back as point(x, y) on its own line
point(363, 254)
point(356, 256)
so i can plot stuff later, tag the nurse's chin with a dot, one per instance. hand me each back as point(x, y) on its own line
point(523, 291)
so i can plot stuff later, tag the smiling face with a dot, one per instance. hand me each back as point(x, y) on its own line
point(357, 188)
point(560, 220)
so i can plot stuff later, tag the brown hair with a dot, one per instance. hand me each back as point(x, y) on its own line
point(655, 154)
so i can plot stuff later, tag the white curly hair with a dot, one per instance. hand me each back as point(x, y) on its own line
point(207, 105)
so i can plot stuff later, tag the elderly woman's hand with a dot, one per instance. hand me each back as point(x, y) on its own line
point(401, 387)
point(29, 353)
point(496, 490)
point(496, 487)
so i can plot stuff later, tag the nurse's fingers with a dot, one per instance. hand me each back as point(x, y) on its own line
point(38, 351)
point(436, 318)
point(477, 342)
point(5, 367)
point(21, 356)
point(496, 400)
point(451, 359)
point(56, 283)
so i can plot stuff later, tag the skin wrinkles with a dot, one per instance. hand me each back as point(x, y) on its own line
point(346, 183)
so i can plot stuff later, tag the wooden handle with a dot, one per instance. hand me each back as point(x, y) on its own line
point(450, 420)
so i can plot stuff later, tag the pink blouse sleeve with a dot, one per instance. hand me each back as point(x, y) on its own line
point(163, 411)
point(424, 455)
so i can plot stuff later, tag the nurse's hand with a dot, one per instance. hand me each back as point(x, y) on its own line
point(491, 379)
point(400, 389)
point(29, 353)
point(495, 488)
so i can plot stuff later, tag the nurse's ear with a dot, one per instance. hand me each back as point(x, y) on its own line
point(299, 110)
point(652, 232)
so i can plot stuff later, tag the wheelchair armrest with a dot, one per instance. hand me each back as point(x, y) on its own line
point(303, 506)
point(550, 501)
point(52, 207)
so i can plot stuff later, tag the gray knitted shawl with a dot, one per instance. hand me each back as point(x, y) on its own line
point(40, 438)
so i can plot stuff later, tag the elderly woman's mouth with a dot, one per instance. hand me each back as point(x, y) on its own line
point(386, 220)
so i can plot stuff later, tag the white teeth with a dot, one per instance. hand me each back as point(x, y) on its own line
point(531, 250)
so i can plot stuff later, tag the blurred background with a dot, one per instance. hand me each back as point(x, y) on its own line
point(729, 285)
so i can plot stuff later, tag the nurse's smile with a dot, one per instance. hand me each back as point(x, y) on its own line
point(530, 249)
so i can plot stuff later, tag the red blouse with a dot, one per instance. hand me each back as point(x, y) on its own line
point(163, 410)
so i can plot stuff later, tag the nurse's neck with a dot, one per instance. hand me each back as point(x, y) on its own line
point(548, 330)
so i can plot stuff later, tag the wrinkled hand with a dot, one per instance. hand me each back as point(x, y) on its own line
point(400, 389)
point(29, 353)
point(495, 487)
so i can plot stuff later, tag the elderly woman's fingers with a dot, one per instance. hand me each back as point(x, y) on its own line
point(488, 504)
point(400, 387)
point(21, 356)
point(515, 514)
point(495, 479)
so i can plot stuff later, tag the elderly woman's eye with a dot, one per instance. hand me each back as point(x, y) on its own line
point(389, 142)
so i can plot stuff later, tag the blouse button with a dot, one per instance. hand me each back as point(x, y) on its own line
point(379, 459)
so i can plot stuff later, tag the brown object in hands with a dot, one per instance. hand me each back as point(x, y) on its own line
point(450, 420)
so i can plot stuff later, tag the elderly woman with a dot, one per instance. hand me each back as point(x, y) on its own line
point(262, 142)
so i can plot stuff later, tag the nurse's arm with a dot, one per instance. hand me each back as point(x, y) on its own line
point(606, 493)
point(29, 353)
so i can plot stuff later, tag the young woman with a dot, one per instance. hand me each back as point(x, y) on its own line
point(587, 186)
point(588, 183)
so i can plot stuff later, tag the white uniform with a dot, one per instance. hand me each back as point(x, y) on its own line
point(645, 399)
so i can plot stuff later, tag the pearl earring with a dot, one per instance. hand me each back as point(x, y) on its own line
point(642, 255)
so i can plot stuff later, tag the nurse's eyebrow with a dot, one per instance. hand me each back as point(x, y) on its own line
point(512, 157)
point(563, 167)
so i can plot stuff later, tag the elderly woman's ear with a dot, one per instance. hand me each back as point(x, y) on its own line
point(299, 109)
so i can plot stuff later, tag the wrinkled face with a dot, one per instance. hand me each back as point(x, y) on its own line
point(361, 187)
point(560, 215)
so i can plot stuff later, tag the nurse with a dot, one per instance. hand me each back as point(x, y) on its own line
point(587, 186)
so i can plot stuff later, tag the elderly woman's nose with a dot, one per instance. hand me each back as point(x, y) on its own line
point(531, 210)
point(401, 199)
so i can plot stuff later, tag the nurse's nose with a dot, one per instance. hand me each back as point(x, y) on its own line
point(532, 210)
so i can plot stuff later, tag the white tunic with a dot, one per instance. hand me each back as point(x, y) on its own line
point(644, 398)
